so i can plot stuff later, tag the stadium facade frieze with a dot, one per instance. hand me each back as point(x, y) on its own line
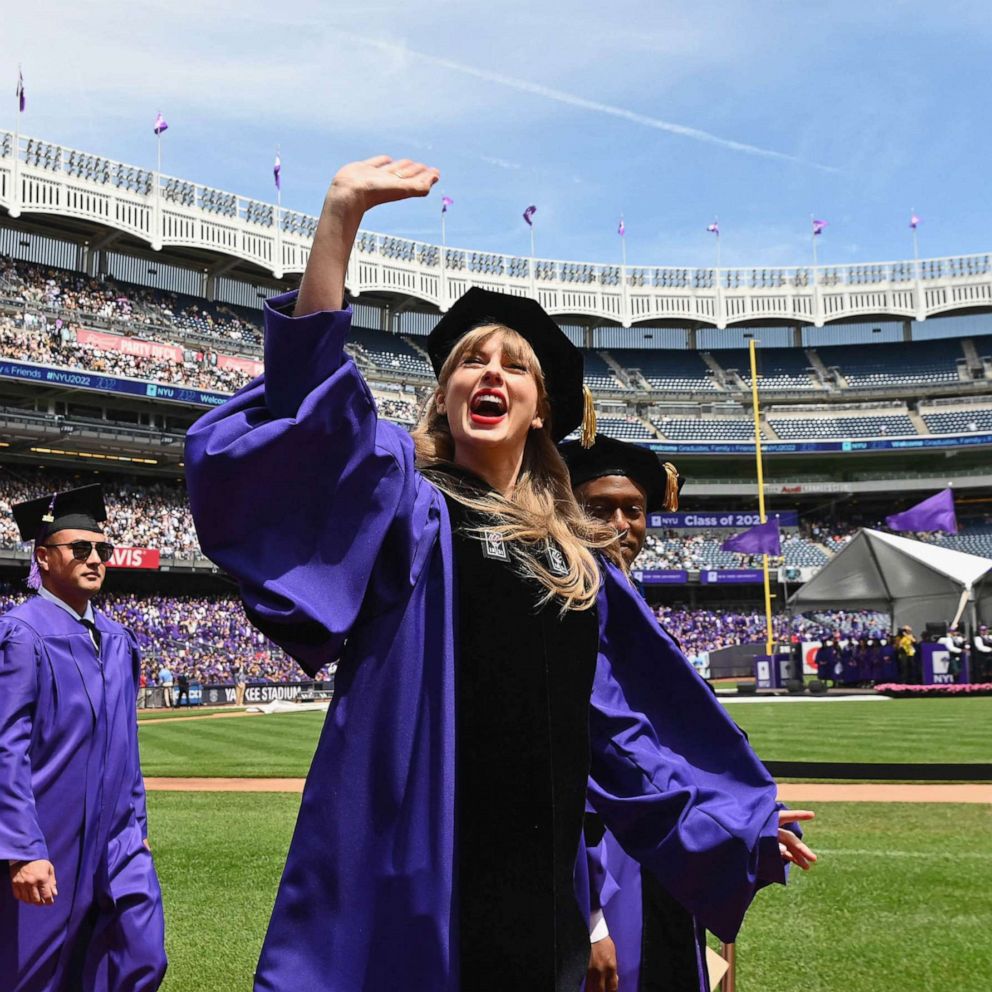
point(39, 177)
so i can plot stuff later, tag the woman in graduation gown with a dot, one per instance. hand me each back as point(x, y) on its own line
point(491, 652)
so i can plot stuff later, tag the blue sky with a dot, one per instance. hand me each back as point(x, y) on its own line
point(758, 113)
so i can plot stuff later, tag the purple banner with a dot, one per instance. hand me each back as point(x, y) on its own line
point(661, 576)
point(718, 576)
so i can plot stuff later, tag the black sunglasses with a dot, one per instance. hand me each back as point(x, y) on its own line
point(81, 550)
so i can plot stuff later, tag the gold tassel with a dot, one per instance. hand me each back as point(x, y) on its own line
point(671, 487)
point(588, 418)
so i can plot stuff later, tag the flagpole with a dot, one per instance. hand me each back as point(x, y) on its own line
point(916, 244)
point(752, 353)
point(533, 263)
point(443, 288)
point(15, 169)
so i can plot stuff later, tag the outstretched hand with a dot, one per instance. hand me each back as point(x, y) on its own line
point(792, 848)
point(382, 179)
point(356, 188)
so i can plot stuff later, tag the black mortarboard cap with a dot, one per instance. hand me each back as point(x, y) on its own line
point(75, 509)
point(608, 456)
point(561, 361)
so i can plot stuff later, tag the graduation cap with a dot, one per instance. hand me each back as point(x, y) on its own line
point(607, 456)
point(75, 509)
point(561, 362)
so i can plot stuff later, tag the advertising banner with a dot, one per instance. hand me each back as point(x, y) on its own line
point(809, 657)
point(134, 558)
point(719, 518)
point(249, 365)
point(719, 576)
point(661, 576)
point(129, 346)
point(255, 692)
point(44, 375)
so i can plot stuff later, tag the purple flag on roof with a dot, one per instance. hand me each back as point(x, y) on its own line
point(818, 226)
point(714, 228)
point(621, 230)
point(446, 202)
point(934, 513)
point(277, 171)
point(914, 221)
point(22, 100)
point(762, 539)
point(160, 123)
point(528, 215)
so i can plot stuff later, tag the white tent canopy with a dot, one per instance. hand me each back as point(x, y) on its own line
point(914, 581)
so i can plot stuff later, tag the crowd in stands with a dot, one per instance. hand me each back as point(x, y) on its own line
point(700, 631)
point(25, 337)
point(74, 295)
point(207, 638)
point(141, 514)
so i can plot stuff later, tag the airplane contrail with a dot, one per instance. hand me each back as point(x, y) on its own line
point(573, 100)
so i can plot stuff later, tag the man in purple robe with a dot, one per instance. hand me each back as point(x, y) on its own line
point(80, 908)
point(642, 937)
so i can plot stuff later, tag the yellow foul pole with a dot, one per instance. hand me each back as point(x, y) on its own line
point(769, 639)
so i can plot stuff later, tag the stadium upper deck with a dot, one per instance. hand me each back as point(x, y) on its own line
point(132, 302)
point(101, 201)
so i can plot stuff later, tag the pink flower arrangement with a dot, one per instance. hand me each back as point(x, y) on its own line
point(899, 691)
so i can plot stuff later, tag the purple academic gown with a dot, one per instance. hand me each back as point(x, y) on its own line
point(342, 550)
point(71, 793)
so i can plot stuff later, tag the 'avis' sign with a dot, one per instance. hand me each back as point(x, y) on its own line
point(134, 558)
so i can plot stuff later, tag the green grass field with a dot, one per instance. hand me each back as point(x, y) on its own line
point(938, 730)
point(900, 900)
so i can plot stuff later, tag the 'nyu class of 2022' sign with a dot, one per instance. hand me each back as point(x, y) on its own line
point(718, 518)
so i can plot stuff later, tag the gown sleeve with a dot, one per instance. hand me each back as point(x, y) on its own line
point(138, 784)
point(672, 776)
point(21, 838)
point(302, 495)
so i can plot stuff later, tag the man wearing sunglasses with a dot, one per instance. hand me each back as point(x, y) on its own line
point(80, 906)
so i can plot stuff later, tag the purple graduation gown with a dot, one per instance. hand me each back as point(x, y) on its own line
point(71, 793)
point(342, 550)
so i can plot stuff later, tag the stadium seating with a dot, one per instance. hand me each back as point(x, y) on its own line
point(958, 421)
point(675, 371)
point(598, 376)
point(389, 353)
point(624, 428)
point(882, 366)
point(705, 429)
point(778, 368)
point(809, 428)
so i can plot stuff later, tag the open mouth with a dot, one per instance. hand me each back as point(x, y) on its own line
point(487, 407)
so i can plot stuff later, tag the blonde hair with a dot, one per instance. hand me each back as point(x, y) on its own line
point(541, 511)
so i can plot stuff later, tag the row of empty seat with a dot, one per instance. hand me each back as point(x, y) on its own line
point(800, 428)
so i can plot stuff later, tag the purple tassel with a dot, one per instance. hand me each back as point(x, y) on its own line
point(33, 581)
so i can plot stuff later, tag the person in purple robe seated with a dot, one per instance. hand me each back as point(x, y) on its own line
point(493, 656)
point(642, 938)
point(81, 910)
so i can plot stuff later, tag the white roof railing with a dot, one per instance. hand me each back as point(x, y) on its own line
point(40, 177)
